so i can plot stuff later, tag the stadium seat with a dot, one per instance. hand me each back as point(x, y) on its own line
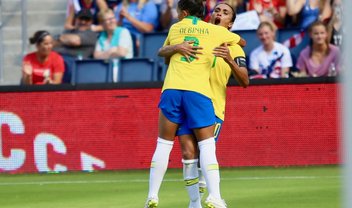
point(137, 70)
point(251, 38)
point(297, 50)
point(92, 71)
point(161, 69)
point(150, 44)
point(286, 34)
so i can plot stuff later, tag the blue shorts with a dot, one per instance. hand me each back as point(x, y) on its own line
point(192, 108)
point(183, 129)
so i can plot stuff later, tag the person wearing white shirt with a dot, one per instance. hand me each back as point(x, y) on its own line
point(271, 59)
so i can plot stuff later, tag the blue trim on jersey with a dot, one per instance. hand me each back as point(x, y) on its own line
point(180, 106)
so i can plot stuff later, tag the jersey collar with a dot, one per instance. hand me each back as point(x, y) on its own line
point(193, 18)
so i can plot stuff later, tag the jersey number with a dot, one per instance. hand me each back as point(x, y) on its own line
point(195, 43)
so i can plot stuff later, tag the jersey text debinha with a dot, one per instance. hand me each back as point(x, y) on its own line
point(192, 30)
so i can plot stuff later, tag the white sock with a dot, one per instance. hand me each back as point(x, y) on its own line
point(158, 166)
point(190, 175)
point(210, 166)
point(202, 183)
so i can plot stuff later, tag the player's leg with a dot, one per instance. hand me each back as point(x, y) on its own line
point(202, 182)
point(169, 117)
point(201, 118)
point(189, 151)
point(210, 168)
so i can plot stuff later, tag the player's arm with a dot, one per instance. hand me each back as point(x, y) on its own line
point(231, 38)
point(238, 65)
point(186, 49)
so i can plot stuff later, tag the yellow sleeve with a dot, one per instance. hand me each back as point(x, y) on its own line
point(236, 51)
point(228, 36)
point(166, 42)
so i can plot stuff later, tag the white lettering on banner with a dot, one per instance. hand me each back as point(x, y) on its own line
point(17, 156)
point(41, 142)
point(87, 162)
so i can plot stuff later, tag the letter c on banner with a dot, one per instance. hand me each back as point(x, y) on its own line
point(41, 152)
point(17, 156)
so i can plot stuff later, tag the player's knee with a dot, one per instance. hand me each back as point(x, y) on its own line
point(188, 154)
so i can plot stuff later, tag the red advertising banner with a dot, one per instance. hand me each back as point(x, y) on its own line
point(116, 129)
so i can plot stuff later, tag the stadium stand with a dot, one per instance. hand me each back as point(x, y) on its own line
point(150, 44)
point(51, 17)
point(92, 71)
point(137, 70)
point(252, 41)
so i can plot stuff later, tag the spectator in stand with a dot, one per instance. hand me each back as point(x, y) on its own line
point(77, 43)
point(138, 16)
point(169, 10)
point(317, 59)
point(43, 66)
point(335, 24)
point(271, 59)
point(270, 10)
point(211, 4)
point(308, 11)
point(74, 6)
point(239, 5)
point(168, 14)
point(112, 3)
point(114, 42)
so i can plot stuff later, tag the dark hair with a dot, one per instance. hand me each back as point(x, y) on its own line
point(233, 10)
point(38, 37)
point(194, 7)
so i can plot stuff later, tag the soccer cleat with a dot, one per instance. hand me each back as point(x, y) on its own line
point(212, 202)
point(151, 203)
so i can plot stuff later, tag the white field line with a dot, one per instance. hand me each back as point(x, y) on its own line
point(166, 180)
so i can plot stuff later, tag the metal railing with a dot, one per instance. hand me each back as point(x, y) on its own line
point(24, 36)
point(1, 45)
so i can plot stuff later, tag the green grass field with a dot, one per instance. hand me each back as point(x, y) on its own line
point(294, 187)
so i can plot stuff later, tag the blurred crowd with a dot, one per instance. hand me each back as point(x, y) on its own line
point(112, 29)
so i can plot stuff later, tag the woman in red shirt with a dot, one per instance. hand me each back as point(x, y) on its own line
point(42, 66)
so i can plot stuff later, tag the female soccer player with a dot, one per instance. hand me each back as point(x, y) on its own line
point(186, 98)
point(232, 62)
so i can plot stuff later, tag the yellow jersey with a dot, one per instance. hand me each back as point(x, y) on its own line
point(219, 78)
point(195, 75)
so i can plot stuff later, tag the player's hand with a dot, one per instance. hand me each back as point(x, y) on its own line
point(223, 51)
point(188, 50)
